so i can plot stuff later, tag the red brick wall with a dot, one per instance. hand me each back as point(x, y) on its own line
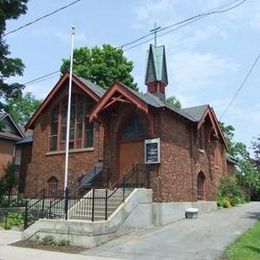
point(182, 160)
point(44, 164)
point(6, 153)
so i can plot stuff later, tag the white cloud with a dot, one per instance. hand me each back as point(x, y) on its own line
point(193, 71)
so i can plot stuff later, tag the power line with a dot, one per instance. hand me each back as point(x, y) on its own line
point(41, 18)
point(181, 24)
point(189, 20)
point(241, 85)
point(41, 77)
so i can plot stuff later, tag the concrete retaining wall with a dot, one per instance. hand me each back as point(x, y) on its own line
point(137, 212)
point(165, 213)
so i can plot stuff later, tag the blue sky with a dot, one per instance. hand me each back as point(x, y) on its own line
point(207, 60)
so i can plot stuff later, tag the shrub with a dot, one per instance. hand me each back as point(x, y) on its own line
point(63, 242)
point(229, 192)
point(12, 219)
point(49, 240)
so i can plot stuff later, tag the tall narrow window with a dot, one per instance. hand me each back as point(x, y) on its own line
point(81, 132)
point(201, 186)
point(52, 185)
point(54, 128)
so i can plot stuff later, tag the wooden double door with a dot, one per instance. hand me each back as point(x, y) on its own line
point(129, 154)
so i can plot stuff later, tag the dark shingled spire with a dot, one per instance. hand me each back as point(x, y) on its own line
point(156, 71)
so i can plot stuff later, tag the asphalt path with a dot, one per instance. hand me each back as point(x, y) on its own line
point(203, 238)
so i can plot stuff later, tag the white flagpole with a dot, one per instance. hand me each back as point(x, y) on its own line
point(68, 114)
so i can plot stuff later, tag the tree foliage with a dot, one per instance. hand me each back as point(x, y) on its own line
point(7, 182)
point(101, 65)
point(256, 149)
point(248, 174)
point(9, 67)
point(174, 101)
point(21, 108)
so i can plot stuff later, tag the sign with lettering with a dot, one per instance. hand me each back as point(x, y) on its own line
point(152, 151)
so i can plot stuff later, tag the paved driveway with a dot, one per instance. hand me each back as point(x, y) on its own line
point(203, 238)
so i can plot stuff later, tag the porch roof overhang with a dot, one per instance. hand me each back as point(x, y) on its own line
point(118, 93)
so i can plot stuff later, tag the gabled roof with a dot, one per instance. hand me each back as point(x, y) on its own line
point(25, 140)
point(200, 113)
point(156, 69)
point(118, 92)
point(7, 119)
point(87, 87)
point(196, 112)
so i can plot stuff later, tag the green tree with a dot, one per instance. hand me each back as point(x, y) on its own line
point(8, 181)
point(248, 175)
point(174, 101)
point(21, 108)
point(9, 67)
point(256, 150)
point(101, 65)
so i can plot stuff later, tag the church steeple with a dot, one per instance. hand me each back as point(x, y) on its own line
point(156, 77)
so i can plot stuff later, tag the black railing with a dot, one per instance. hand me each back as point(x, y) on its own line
point(97, 204)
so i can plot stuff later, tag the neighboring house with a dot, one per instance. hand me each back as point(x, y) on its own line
point(115, 125)
point(44, 165)
point(10, 133)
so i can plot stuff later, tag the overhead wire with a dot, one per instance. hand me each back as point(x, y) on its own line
point(41, 18)
point(181, 24)
point(241, 85)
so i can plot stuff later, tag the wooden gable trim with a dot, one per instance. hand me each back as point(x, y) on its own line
point(218, 127)
point(125, 96)
point(54, 91)
point(213, 118)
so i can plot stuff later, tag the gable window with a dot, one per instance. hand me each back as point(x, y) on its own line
point(81, 132)
point(201, 186)
point(202, 138)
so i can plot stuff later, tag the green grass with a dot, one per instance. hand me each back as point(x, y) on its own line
point(247, 246)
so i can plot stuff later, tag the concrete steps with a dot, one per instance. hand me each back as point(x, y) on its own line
point(83, 209)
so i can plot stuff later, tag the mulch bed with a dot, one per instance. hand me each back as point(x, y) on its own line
point(39, 245)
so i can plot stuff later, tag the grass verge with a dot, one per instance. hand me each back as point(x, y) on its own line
point(247, 246)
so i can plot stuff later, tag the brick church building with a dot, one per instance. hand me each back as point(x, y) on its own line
point(184, 150)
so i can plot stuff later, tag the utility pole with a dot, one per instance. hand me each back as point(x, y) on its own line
point(155, 30)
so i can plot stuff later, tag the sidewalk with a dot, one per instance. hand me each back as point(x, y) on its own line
point(203, 238)
point(17, 253)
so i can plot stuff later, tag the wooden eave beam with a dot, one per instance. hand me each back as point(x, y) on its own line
point(125, 96)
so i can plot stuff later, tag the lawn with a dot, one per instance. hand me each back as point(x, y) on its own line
point(247, 246)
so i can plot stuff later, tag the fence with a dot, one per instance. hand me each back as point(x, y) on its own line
point(97, 204)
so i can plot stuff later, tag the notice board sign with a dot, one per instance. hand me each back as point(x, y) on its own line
point(152, 151)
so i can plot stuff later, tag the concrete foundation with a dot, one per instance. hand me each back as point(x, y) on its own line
point(165, 213)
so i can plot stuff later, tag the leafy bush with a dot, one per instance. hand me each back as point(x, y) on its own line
point(49, 240)
point(13, 219)
point(63, 242)
point(229, 192)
